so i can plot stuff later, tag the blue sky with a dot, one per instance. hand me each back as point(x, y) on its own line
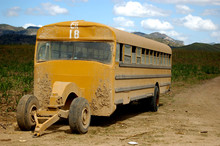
point(187, 20)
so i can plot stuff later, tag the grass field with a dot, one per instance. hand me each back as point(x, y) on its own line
point(16, 70)
point(16, 74)
point(191, 65)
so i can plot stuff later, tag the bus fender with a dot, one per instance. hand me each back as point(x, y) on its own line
point(61, 91)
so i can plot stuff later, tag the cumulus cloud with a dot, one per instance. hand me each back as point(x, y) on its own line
point(121, 28)
point(197, 23)
point(176, 35)
point(35, 11)
point(30, 24)
point(14, 11)
point(196, 2)
point(216, 34)
point(117, 1)
point(136, 9)
point(171, 33)
point(156, 24)
point(183, 9)
point(214, 12)
point(47, 9)
point(123, 22)
point(53, 9)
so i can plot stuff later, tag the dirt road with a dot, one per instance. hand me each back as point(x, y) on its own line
point(187, 116)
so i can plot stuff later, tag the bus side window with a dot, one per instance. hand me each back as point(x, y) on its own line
point(127, 54)
point(141, 56)
point(139, 51)
point(161, 58)
point(134, 54)
point(158, 58)
point(117, 54)
point(169, 59)
point(151, 57)
point(121, 53)
point(147, 56)
point(155, 57)
point(166, 59)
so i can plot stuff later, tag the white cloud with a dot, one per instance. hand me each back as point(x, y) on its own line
point(14, 11)
point(171, 33)
point(155, 24)
point(196, 2)
point(117, 1)
point(120, 28)
point(123, 22)
point(183, 9)
point(176, 35)
point(30, 24)
point(136, 9)
point(54, 9)
point(216, 35)
point(47, 8)
point(214, 12)
point(35, 11)
point(197, 23)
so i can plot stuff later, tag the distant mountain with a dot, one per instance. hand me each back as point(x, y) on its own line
point(201, 47)
point(17, 35)
point(163, 38)
point(8, 29)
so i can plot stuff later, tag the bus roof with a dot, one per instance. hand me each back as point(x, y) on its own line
point(95, 31)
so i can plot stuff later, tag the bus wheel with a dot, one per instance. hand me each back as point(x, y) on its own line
point(154, 102)
point(79, 116)
point(26, 108)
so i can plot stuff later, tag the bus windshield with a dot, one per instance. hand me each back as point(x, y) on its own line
point(59, 50)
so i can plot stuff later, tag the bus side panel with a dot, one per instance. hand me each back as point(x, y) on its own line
point(137, 83)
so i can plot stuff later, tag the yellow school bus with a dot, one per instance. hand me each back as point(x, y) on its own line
point(85, 68)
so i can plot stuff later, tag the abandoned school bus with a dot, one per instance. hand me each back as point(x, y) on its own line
point(84, 68)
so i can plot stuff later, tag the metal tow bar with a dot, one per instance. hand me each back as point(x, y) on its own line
point(45, 119)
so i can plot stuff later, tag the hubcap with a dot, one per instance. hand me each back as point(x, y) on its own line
point(85, 117)
point(33, 109)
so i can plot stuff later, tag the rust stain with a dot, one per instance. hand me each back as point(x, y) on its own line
point(43, 90)
point(102, 98)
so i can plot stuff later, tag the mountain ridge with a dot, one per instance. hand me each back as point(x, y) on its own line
point(200, 47)
point(12, 31)
point(19, 35)
point(8, 29)
point(163, 38)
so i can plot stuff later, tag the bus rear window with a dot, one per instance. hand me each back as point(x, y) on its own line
point(94, 51)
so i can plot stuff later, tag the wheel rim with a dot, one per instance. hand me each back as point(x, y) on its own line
point(157, 99)
point(85, 117)
point(33, 110)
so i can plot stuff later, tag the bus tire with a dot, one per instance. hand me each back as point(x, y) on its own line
point(27, 105)
point(154, 102)
point(79, 116)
